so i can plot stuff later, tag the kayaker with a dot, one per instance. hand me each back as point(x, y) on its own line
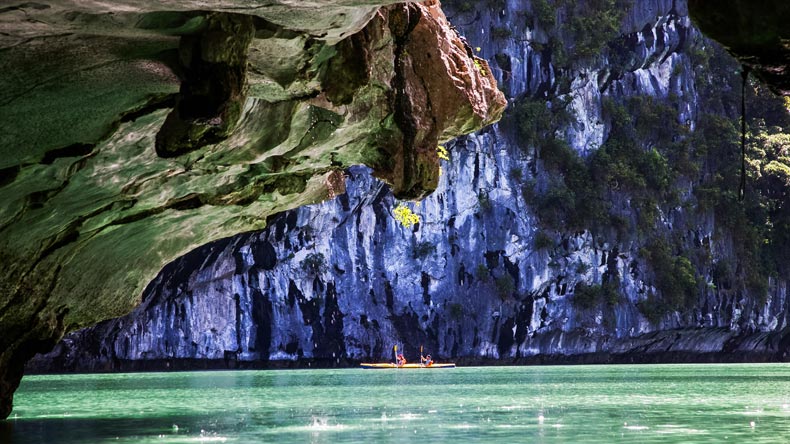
point(401, 361)
point(426, 360)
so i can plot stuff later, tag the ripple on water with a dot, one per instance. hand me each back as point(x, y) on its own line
point(513, 426)
point(318, 424)
point(175, 439)
point(578, 405)
point(322, 423)
point(673, 429)
point(509, 408)
point(410, 416)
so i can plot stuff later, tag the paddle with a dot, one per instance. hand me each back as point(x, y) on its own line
point(395, 353)
point(421, 359)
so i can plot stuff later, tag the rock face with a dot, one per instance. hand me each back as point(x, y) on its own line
point(598, 222)
point(135, 132)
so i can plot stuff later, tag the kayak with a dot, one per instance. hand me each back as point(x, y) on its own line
point(391, 365)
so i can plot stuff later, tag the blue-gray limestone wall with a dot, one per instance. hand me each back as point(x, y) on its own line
point(343, 280)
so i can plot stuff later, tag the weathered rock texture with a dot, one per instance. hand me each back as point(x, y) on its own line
point(657, 264)
point(134, 132)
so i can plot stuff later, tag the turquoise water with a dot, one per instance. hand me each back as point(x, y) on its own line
point(562, 404)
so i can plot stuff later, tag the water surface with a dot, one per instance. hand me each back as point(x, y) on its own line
point(562, 404)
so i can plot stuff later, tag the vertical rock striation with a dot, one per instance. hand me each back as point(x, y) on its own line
point(135, 132)
point(596, 222)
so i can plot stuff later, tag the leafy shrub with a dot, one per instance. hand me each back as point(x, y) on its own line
point(590, 296)
point(314, 263)
point(545, 12)
point(528, 192)
point(556, 206)
point(481, 273)
point(779, 171)
point(587, 296)
point(505, 285)
point(675, 277)
point(479, 66)
point(576, 195)
point(459, 5)
point(405, 216)
point(501, 32)
point(534, 121)
point(558, 156)
point(594, 26)
point(503, 61)
point(516, 174)
point(442, 153)
point(621, 162)
point(542, 241)
point(423, 249)
point(538, 120)
point(653, 308)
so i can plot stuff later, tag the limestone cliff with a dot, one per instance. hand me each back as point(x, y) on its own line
point(134, 132)
point(598, 221)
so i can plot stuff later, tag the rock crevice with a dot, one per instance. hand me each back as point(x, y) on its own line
point(139, 132)
point(512, 261)
point(213, 85)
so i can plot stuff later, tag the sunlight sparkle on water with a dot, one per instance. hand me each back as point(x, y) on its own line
point(593, 404)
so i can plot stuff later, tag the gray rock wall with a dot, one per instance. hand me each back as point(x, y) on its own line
point(344, 281)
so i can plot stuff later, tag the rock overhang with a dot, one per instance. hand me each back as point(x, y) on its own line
point(124, 147)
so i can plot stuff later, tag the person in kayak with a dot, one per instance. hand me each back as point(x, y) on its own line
point(426, 361)
point(400, 361)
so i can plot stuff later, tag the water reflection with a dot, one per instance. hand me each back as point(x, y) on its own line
point(539, 404)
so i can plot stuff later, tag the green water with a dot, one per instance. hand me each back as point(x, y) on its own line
point(563, 404)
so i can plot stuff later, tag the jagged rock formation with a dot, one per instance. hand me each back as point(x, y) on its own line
point(598, 221)
point(137, 131)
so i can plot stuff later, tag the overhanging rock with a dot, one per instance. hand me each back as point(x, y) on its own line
point(136, 131)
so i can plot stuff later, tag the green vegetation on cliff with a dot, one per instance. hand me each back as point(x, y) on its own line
point(589, 25)
point(579, 192)
point(642, 173)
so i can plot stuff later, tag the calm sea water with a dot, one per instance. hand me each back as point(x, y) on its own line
point(562, 404)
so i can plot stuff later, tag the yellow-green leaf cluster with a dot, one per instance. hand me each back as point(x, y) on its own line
point(442, 153)
point(480, 67)
point(405, 216)
point(778, 170)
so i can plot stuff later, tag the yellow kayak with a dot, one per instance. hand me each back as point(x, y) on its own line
point(391, 365)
